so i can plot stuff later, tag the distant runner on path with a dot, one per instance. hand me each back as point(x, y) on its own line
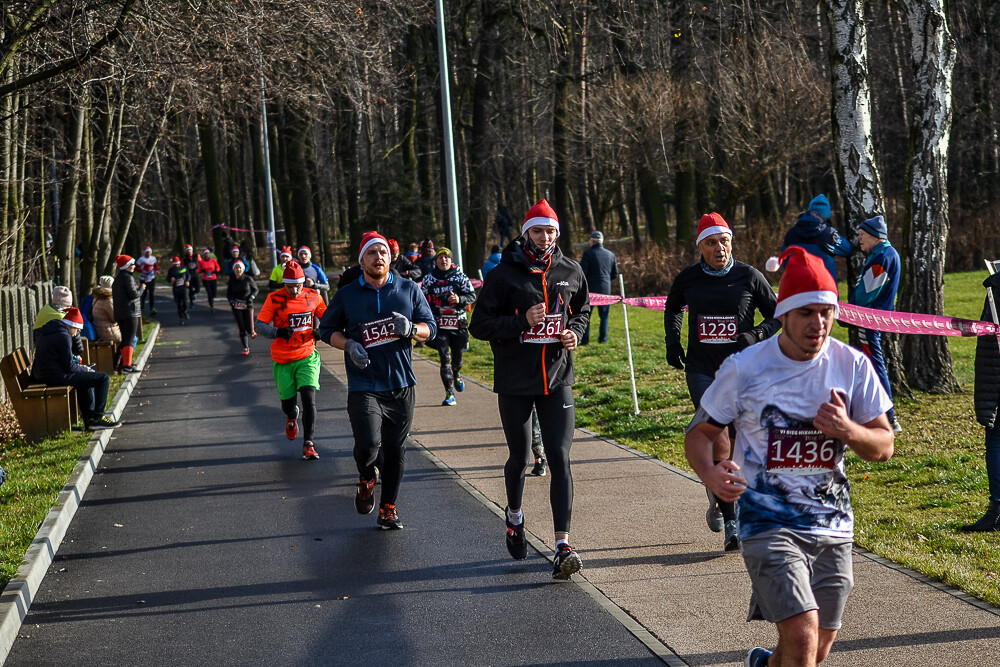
point(241, 292)
point(533, 310)
point(448, 292)
point(289, 316)
point(373, 319)
point(798, 401)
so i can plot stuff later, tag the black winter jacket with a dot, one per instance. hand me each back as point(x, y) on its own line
point(514, 286)
point(54, 355)
point(987, 391)
point(125, 293)
point(406, 268)
point(737, 294)
point(243, 288)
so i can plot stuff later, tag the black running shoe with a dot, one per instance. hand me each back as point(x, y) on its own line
point(541, 468)
point(364, 499)
point(732, 539)
point(517, 546)
point(102, 423)
point(566, 562)
point(388, 518)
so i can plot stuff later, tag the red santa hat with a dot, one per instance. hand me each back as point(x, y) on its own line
point(285, 250)
point(73, 318)
point(292, 275)
point(712, 223)
point(368, 239)
point(124, 261)
point(393, 245)
point(147, 249)
point(540, 215)
point(176, 261)
point(806, 281)
point(306, 248)
point(187, 246)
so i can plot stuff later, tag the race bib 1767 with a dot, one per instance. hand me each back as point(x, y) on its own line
point(448, 319)
point(716, 328)
point(801, 451)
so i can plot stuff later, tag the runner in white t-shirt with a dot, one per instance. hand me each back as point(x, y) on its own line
point(798, 402)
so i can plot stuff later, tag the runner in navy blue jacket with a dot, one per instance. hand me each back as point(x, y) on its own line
point(814, 232)
point(373, 319)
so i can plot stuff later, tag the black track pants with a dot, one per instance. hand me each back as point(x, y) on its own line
point(149, 294)
point(557, 418)
point(244, 322)
point(381, 420)
point(451, 346)
point(211, 286)
point(308, 413)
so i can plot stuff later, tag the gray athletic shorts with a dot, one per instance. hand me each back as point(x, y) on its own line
point(793, 572)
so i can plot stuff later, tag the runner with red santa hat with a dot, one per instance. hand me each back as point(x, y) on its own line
point(373, 319)
point(722, 296)
point(798, 400)
point(290, 316)
point(533, 309)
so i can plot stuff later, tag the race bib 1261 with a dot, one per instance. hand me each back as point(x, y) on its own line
point(716, 328)
point(549, 330)
point(378, 332)
point(801, 451)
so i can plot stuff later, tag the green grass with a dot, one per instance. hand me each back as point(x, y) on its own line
point(908, 509)
point(35, 476)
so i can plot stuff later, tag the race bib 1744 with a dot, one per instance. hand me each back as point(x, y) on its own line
point(301, 321)
point(378, 332)
point(548, 330)
point(716, 328)
point(801, 451)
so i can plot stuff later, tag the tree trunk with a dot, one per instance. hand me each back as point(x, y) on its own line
point(561, 157)
point(66, 240)
point(928, 360)
point(213, 180)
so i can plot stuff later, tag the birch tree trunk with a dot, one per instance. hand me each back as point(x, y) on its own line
point(928, 360)
point(66, 240)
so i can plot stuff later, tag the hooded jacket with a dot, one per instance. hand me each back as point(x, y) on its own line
point(54, 355)
point(105, 325)
point(514, 286)
point(819, 238)
point(987, 388)
point(491, 263)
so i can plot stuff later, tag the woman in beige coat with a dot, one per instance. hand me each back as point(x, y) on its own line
point(105, 325)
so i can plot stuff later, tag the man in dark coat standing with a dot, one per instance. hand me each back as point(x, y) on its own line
point(599, 267)
point(128, 308)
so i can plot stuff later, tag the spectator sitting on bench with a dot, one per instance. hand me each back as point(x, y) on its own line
point(62, 299)
point(55, 365)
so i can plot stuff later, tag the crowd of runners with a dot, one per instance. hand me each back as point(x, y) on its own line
point(776, 401)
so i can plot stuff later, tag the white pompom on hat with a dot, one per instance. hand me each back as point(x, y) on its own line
point(710, 224)
point(805, 282)
point(540, 215)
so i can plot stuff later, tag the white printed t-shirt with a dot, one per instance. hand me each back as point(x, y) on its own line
point(794, 474)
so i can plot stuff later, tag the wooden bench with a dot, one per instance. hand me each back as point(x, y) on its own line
point(101, 353)
point(41, 410)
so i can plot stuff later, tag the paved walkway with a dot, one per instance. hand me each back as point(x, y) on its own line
point(204, 540)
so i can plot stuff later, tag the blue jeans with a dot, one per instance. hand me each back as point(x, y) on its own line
point(993, 461)
point(603, 311)
point(871, 345)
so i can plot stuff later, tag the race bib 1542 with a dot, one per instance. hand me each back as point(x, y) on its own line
point(716, 328)
point(378, 332)
point(801, 451)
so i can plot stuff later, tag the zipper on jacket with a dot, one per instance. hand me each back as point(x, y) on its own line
point(545, 293)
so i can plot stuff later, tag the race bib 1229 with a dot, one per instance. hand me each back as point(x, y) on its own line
point(716, 328)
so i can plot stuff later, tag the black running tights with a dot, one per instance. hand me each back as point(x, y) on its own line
point(210, 289)
point(451, 346)
point(308, 413)
point(557, 418)
point(244, 322)
point(380, 421)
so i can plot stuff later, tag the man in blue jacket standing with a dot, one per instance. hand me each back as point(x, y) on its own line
point(373, 319)
point(814, 232)
point(876, 289)
point(599, 268)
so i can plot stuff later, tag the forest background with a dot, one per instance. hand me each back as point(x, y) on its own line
point(126, 123)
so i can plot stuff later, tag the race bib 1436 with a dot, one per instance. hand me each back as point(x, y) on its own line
point(801, 451)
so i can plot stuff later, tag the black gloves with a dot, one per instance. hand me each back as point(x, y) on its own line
point(745, 340)
point(284, 333)
point(675, 356)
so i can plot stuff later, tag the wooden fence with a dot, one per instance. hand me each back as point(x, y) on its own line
point(18, 307)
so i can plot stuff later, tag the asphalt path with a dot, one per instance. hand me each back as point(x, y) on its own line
point(204, 539)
